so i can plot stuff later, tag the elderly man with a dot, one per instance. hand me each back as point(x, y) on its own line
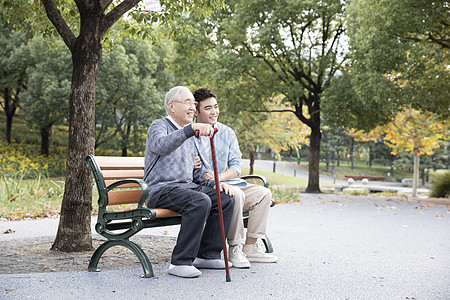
point(253, 197)
point(174, 184)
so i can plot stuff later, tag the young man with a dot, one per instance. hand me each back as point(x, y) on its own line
point(255, 198)
point(174, 184)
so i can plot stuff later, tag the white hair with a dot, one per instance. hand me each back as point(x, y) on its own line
point(174, 94)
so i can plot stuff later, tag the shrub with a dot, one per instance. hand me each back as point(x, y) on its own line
point(441, 186)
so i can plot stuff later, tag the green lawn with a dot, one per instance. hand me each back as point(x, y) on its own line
point(278, 179)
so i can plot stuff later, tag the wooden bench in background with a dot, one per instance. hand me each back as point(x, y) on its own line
point(119, 181)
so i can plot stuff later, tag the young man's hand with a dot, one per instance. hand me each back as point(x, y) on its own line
point(226, 188)
point(198, 163)
point(209, 175)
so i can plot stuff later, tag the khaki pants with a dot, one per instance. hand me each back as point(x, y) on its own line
point(257, 200)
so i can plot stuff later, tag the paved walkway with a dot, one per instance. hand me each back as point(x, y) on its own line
point(329, 247)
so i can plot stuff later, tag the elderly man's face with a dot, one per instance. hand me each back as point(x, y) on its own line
point(182, 111)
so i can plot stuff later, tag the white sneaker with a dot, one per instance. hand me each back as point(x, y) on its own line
point(255, 254)
point(184, 271)
point(237, 257)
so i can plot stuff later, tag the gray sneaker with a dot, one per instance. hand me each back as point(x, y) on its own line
point(237, 257)
point(202, 263)
point(255, 254)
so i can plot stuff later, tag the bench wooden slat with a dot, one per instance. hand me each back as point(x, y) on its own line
point(165, 213)
point(117, 197)
point(132, 196)
point(120, 162)
point(122, 174)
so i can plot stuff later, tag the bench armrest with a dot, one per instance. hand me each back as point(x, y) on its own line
point(142, 183)
point(262, 180)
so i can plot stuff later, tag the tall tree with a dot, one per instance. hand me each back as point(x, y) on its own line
point(290, 48)
point(412, 131)
point(46, 100)
point(127, 96)
point(14, 60)
point(89, 22)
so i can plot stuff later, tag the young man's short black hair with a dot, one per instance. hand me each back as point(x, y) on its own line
point(203, 93)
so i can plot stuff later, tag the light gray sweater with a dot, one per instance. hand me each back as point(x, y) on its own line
point(169, 159)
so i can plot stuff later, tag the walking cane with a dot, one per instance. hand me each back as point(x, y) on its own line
point(219, 203)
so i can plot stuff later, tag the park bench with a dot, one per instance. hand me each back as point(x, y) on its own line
point(119, 181)
point(367, 177)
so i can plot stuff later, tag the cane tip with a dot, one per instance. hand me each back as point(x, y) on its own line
point(228, 278)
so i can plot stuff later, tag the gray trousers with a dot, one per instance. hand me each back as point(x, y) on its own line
point(199, 234)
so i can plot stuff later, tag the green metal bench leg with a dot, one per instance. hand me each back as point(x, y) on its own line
point(145, 262)
point(267, 244)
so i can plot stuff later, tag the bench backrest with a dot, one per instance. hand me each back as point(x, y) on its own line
point(109, 169)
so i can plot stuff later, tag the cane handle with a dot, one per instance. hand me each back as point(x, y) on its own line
point(197, 132)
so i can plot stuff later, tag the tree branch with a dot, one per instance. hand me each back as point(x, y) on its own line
point(105, 3)
point(445, 43)
point(270, 110)
point(116, 13)
point(58, 21)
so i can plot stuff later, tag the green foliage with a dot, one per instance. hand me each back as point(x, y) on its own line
point(14, 60)
point(46, 100)
point(400, 55)
point(441, 186)
point(129, 94)
point(357, 192)
point(345, 104)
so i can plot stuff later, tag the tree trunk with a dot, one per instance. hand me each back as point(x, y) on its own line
point(74, 231)
point(252, 162)
point(124, 151)
point(352, 153)
point(314, 159)
point(338, 158)
point(415, 173)
point(45, 139)
point(10, 109)
point(9, 120)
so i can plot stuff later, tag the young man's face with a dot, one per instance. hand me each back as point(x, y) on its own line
point(182, 111)
point(208, 111)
